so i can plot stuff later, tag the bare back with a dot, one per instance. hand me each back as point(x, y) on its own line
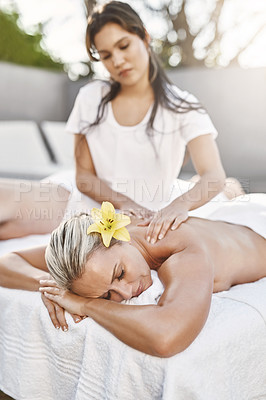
point(237, 253)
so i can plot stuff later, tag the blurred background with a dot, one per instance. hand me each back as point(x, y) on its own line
point(216, 49)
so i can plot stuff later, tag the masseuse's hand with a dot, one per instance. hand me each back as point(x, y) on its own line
point(134, 210)
point(56, 312)
point(169, 217)
point(70, 302)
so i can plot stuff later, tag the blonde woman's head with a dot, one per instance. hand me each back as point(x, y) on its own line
point(81, 263)
point(70, 248)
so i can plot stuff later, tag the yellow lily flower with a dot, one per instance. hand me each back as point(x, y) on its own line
point(109, 224)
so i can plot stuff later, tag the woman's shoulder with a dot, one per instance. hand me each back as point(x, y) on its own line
point(180, 95)
point(86, 105)
point(174, 242)
point(94, 88)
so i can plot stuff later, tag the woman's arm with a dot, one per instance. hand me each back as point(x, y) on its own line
point(206, 160)
point(207, 163)
point(23, 269)
point(160, 330)
point(88, 183)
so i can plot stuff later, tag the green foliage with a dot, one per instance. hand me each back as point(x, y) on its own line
point(20, 48)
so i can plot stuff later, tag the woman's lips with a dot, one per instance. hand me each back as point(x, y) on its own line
point(125, 72)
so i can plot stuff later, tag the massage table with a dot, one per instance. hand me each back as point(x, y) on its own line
point(227, 361)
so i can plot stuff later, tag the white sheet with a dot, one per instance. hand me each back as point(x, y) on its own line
point(225, 362)
point(248, 210)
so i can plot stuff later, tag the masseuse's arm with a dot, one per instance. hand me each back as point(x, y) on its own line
point(88, 183)
point(207, 163)
point(160, 330)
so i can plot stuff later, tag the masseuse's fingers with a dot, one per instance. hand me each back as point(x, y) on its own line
point(182, 217)
point(146, 214)
point(146, 222)
point(140, 213)
point(163, 220)
point(127, 212)
point(159, 230)
point(155, 227)
point(131, 212)
point(162, 230)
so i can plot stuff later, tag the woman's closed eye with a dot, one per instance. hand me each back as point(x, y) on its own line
point(124, 47)
point(108, 295)
point(105, 57)
point(121, 275)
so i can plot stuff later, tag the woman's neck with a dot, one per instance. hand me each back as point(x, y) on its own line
point(139, 90)
point(137, 239)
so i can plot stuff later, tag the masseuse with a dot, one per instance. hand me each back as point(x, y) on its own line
point(131, 133)
point(137, 128)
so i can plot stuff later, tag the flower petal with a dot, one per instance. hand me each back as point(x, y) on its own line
point(108, 211)
point(122, 234)
point(107, 236)
point(121, 220)
point(109, 224)
point(93, 228)
point(96, 214)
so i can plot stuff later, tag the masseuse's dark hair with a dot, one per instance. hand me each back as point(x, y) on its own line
point(122, 14)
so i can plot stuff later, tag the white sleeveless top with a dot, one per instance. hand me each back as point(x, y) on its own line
point(126, 158)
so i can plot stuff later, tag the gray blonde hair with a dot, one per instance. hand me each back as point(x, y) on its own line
point(70, 248)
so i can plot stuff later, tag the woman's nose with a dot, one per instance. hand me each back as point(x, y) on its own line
point(117, 60)
point(125, 290)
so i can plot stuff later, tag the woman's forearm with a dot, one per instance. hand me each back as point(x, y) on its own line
point(152, 329)
point(89, 183)
point(92, 186)
point(146, 328)
point(208, 186)
point(16, 273)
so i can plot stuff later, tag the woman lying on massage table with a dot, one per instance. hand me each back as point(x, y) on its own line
point(199, 258)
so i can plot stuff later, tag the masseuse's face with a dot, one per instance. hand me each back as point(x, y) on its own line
point(118, 273)
point(125, 55)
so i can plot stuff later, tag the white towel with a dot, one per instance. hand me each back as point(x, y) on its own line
point(87, 362)
point(226, 361)
point(247, 210)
